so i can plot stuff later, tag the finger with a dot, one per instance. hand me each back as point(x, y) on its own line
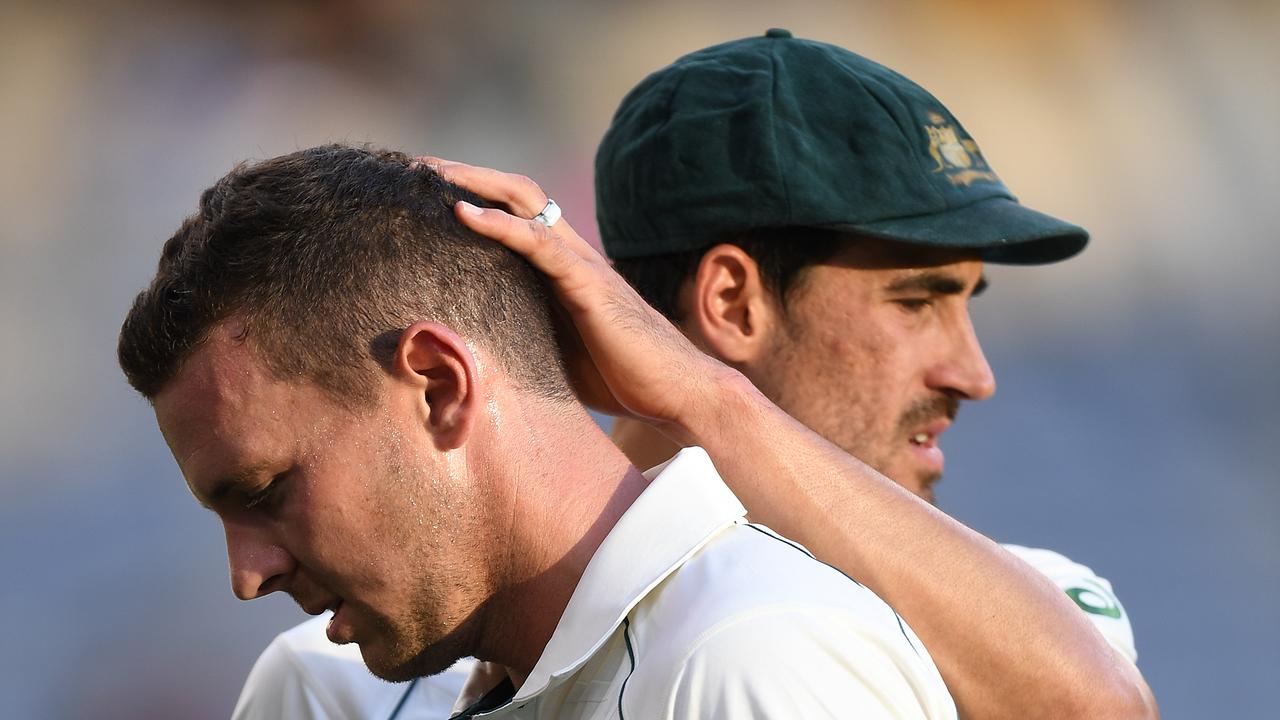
point(521, 197)
point(431, 161)
point(562, 230)
point(536, 242)
point(441, 167)
point(579, 282)
point(517, 192)
point(588, 384)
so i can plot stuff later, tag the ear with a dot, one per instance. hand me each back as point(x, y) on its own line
point(731, 313)
point(438, 367)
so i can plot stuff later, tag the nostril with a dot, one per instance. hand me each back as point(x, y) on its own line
point(257, 565)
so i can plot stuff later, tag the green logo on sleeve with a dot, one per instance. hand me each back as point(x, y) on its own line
point(1095, 600)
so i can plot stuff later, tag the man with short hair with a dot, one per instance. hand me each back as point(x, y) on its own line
point(818, 222)
point(371, 399)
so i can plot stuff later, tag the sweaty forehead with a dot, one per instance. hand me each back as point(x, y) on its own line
point(219, 407)
point(220, 371)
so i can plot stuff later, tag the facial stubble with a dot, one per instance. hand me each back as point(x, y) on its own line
point(429, 521)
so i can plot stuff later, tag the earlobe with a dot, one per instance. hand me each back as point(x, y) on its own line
point(731, 312)
point(441, 373)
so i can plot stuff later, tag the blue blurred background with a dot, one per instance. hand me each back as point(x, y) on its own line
point(1135, 428)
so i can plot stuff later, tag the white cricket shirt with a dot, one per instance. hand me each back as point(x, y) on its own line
point(1093, 594)
point(303, 676)
point(688, 612)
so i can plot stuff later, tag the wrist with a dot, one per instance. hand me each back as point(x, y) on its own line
point(716, 408)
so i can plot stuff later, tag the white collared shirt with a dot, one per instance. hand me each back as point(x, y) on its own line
point(1091, 592)
point(688, 612)
point(302, 676)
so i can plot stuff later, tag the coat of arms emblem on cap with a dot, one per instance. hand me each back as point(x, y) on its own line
point(958, 157)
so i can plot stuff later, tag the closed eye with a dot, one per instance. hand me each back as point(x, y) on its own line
point(914, 304)
point(266, 493)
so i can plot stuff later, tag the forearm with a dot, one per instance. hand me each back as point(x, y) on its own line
point(1006, 640)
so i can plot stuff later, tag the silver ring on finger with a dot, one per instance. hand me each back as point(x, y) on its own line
point(550, 213)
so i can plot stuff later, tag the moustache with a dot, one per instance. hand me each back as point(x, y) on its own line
point(926, 410)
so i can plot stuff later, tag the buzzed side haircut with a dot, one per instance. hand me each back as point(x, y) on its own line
point(782, 254)
point(326, 255)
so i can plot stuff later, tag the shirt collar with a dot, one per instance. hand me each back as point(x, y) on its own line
point(685, 505)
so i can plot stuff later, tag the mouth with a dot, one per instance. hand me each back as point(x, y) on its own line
point(924, 439)
point(924, 444)
point(927, 435)
point(312, 608)
point(339, 630)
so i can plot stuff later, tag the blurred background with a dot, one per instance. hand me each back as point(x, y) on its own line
point(1136, 425)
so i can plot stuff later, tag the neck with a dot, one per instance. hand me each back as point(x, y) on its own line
point(565, 492)
point(643, 445)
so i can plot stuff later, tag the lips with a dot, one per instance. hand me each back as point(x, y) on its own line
point(317, 605)
point(339, 630)
point(314, 608)
point(924, 443)
point(927, 435)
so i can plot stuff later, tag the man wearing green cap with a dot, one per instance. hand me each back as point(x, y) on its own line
point(818, 221)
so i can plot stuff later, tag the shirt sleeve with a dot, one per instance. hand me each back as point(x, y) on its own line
point(807, 664)
point(1091, 593)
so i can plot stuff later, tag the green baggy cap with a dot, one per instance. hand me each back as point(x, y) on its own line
point(776, 131)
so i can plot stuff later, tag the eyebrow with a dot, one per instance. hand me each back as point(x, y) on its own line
point(936, 283)
point(227, 484)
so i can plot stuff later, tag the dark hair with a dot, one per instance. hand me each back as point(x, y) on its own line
point(326, 255)
point(782, 254)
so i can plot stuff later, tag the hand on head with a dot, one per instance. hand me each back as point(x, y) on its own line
point(624, 357)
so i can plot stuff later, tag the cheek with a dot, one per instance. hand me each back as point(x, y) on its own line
point(848, 382)
point(319, 520)
point(336, 503)
point(854, 357)
point(822, 380)
point(871, 351)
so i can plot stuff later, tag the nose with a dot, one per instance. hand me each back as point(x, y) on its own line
point(259, 566)
point(962, 371)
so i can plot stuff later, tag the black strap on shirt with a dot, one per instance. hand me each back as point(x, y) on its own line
point(492, 700)
point(403, 699)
